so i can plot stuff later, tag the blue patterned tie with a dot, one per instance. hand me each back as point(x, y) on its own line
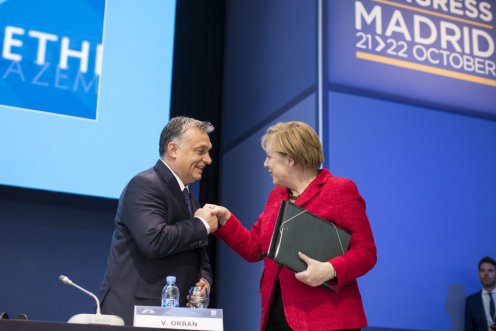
point(187, 200)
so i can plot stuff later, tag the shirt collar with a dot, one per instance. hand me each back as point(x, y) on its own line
point(179, 181)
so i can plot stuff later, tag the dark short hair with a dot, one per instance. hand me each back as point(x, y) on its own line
point(487, 259)
point(176, 127)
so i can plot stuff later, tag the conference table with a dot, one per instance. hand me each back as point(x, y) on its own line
point(21, 325)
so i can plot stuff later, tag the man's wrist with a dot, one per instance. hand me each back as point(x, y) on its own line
point(204, 223)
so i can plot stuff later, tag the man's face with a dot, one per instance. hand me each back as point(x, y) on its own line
point(190, 155)
point(487, 275)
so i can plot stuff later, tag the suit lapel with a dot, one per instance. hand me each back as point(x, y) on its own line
point(202, 251)
point(173, 186)
point(480, 305)
point(194, 203)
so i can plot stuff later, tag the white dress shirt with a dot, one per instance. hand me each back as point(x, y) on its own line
point(485, 301)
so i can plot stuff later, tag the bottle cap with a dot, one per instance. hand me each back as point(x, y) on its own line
point(171, 279)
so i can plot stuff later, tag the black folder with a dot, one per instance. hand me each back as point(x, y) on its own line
point(298, 230)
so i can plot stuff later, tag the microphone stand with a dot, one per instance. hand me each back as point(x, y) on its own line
point(97, 318)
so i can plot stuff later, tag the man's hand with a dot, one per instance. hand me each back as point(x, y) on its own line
point(210, 218)
point(203, 284)
point(222, 213)
point(205, 291)
point(316, 273)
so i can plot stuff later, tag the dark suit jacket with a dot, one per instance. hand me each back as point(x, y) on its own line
point(154, 237)
point(475, 317)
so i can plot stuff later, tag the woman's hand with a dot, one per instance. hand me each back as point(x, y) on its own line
point(316, 273)
point(222, 213)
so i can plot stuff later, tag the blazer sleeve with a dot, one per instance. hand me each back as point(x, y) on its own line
point(206, 272)
point(238, 238)
point(146, 212)
point(362, 254)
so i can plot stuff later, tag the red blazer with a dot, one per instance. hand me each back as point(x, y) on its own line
point(312, 308)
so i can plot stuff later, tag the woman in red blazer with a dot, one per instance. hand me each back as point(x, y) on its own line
point(296, 301)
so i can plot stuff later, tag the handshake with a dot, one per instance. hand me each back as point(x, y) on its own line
point(214, 215)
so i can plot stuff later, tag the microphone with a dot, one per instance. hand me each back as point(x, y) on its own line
point(67, 281)
point(97, 318)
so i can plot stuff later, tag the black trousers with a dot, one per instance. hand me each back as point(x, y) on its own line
point(277, 320)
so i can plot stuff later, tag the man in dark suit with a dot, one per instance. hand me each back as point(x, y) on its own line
point(480, 307)
point(159, 228)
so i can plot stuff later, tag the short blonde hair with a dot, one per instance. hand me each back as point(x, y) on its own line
point(297, 140)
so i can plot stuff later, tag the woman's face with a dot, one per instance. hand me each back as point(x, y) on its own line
point(278, 166)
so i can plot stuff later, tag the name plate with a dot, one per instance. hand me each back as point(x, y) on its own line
point(178, 318)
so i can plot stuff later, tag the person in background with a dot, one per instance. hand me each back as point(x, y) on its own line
point(298, 301)
point(159, 228)
point(480, 312)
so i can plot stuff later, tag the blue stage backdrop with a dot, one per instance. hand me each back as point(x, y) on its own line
point(70, 110)
point(427, 175)
point(52, 50)
point(434, 53)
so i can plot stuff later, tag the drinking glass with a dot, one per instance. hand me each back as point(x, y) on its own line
point(198, 297)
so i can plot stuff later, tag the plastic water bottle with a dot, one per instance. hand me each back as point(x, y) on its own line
point(170, 293)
